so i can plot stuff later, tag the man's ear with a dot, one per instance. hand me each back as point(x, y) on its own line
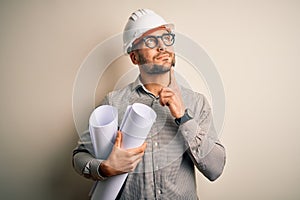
point(134, 58)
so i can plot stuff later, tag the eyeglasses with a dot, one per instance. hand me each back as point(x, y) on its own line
point(151, 41)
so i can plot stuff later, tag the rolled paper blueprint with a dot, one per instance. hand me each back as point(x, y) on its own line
point(137, 122)
point(103, 127)
point(136, 125)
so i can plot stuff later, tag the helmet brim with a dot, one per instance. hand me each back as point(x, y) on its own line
point(170, 27)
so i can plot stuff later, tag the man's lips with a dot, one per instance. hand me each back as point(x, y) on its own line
point(163, 56)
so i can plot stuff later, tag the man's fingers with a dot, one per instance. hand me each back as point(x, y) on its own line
point(138, 150)
point(133, 151)
point(118, 141)
point(166, 90)
point(166, 96)
point(164, 101)
point(144, 146)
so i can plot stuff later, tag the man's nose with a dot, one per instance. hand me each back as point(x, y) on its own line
point(161, 46)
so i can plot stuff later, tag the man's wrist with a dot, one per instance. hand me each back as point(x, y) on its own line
point(101, 170)
point(92, 170)
point(181, 114)
point(188, 115)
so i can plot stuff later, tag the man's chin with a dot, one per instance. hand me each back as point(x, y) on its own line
point(156, 72)
point(160, 69)
point(156, 69)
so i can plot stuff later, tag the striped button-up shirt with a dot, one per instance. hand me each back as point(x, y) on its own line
point(167, 169)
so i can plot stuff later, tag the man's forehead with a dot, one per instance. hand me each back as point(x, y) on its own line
point(156, 31)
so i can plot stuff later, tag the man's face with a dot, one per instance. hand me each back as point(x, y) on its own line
point(156, 60)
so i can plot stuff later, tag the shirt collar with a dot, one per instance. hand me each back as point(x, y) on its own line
point(138, 84)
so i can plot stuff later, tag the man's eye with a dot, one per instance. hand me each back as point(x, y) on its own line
point(151, 42)
point(167, 38)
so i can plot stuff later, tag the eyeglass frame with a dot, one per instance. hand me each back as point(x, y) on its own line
point(156, 38)
point(161, 37)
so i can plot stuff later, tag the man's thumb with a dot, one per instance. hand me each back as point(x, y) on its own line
point(118, 141)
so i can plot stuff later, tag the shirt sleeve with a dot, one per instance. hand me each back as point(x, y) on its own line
point(83, 160)
point(203, 145)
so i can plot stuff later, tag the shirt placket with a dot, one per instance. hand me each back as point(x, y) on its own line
point(155, 148)
point(156, 157)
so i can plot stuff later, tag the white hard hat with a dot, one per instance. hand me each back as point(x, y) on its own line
point(140, 22)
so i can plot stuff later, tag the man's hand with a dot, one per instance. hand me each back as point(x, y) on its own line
point(171, 97)
point(121, 160)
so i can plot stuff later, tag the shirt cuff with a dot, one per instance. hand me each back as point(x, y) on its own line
point(94, 169)
point(189, 130)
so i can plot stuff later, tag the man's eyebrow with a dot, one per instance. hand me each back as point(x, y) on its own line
point(157, 34)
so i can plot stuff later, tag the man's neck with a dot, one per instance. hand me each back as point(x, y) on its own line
point(154, 83)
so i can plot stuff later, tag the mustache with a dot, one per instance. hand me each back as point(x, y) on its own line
point(170, 54)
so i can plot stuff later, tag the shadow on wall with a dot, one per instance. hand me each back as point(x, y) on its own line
point(64, 182)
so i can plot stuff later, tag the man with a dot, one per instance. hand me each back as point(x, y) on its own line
point(183, 135)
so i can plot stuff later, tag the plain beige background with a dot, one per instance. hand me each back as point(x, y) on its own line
point(254, 45)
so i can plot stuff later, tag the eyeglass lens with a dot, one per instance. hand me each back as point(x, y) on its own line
point(151, 41)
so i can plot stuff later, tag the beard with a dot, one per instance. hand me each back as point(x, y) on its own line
point(151, 68)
